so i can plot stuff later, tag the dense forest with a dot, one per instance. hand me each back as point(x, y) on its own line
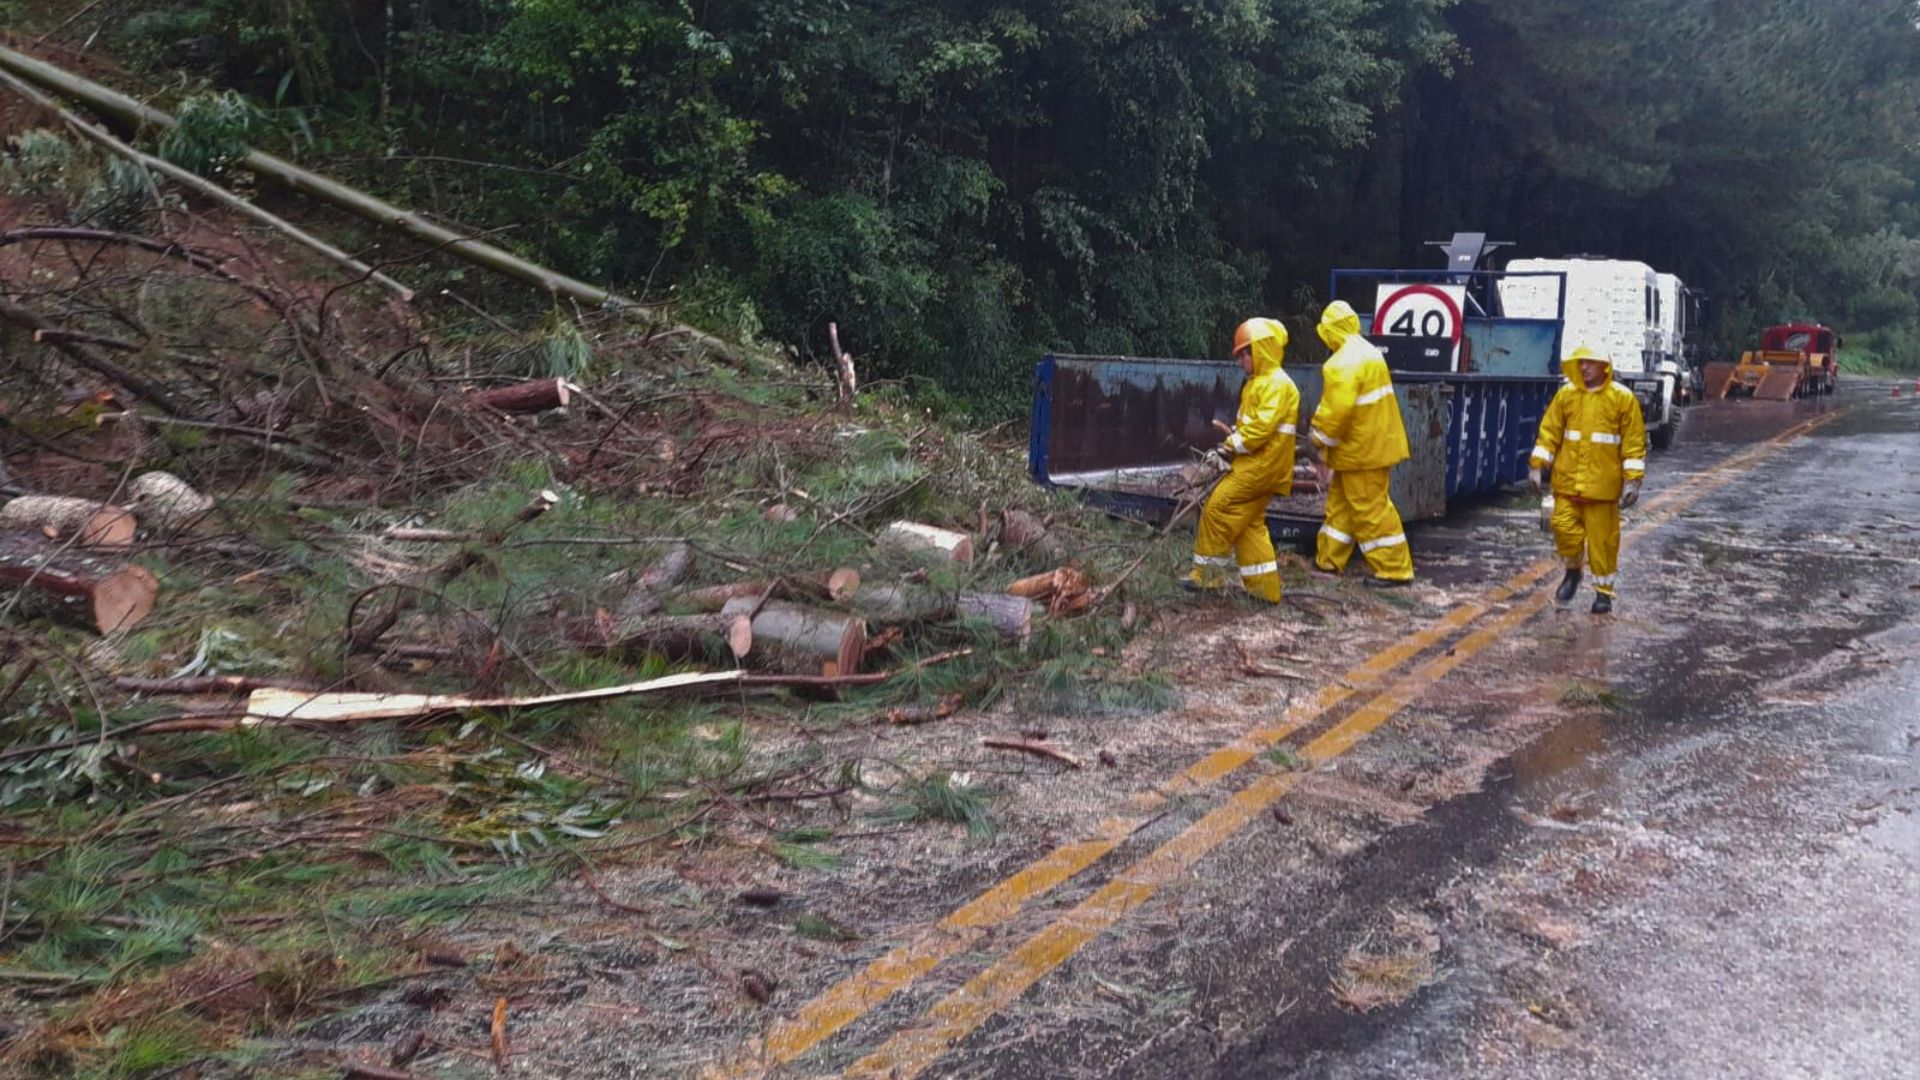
point(964, 185)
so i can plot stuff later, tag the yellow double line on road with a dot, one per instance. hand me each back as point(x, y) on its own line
point(910, 1052)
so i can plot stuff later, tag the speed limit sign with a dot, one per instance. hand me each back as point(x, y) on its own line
point(1419, 326)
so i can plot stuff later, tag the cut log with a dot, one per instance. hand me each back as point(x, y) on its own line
point(100, 598)
point(668, 570)
point(913, 536)
point(841, 584)
point(540, 395)
point(903, 604)
point(639, 591)
point(813, 634)
point(60, 516)
point(1021, 531)
point(164, 499)
point(1067, 581)
point(715, 598)
point(686, 637)
point(1012, 616)
point(837, 586)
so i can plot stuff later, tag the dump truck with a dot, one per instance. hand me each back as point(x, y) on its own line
point(1795, 360)
point(1471, 381)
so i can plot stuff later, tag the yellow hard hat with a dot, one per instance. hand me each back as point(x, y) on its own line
point(1258, 330)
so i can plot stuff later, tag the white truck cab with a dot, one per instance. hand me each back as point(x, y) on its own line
point(1622, 310)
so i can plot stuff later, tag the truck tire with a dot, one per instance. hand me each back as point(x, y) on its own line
point(1662, 436)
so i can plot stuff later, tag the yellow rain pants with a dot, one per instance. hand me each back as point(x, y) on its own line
point(1360, 515)
point(1580, 525)
point(1233, 531)
point(1233, 524)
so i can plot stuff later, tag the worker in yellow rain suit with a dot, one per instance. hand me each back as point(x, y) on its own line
point(1358, 430)
point(1233, 525)
point(1594, 439)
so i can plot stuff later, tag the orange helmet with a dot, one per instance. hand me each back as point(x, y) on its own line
point(1256, 330)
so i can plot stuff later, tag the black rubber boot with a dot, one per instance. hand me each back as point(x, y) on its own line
point(1568, 586)
point(1602, 604)
point(1387, 583)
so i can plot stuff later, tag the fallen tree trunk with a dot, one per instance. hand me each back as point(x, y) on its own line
point(194, 182)
point(135, 114)
point(61, 516)
point(100, 598)
point(813, 636)
point(540, 395)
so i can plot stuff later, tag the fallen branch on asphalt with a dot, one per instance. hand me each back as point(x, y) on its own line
point(1038, 749)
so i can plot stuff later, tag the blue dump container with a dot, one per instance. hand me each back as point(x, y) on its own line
point(1118, 429)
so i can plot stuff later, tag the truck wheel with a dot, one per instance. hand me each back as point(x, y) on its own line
point(1662, 436)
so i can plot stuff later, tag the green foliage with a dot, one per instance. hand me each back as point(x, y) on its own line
point(102, 191)
point(211, 131)
point(565, 351)
point(936, 797)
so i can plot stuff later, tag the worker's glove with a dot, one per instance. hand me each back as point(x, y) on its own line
point(1217, 460)
point(1533, 481)
point(1631, 495)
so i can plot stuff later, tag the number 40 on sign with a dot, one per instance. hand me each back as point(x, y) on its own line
point(1419, 325)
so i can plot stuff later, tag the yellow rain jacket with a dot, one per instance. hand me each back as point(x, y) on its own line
point(1263, 433)
point(1593, 438)
point(1233, 524)
point(1358, 422)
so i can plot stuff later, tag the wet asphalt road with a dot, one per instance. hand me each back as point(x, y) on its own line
point(1719, 875)
point(1677, 842)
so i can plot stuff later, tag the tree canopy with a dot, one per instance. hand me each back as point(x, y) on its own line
point(963, 185)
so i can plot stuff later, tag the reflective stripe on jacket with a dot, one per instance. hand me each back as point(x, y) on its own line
point(1594, 438)
point(1262, 442)
point(1358, 422)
